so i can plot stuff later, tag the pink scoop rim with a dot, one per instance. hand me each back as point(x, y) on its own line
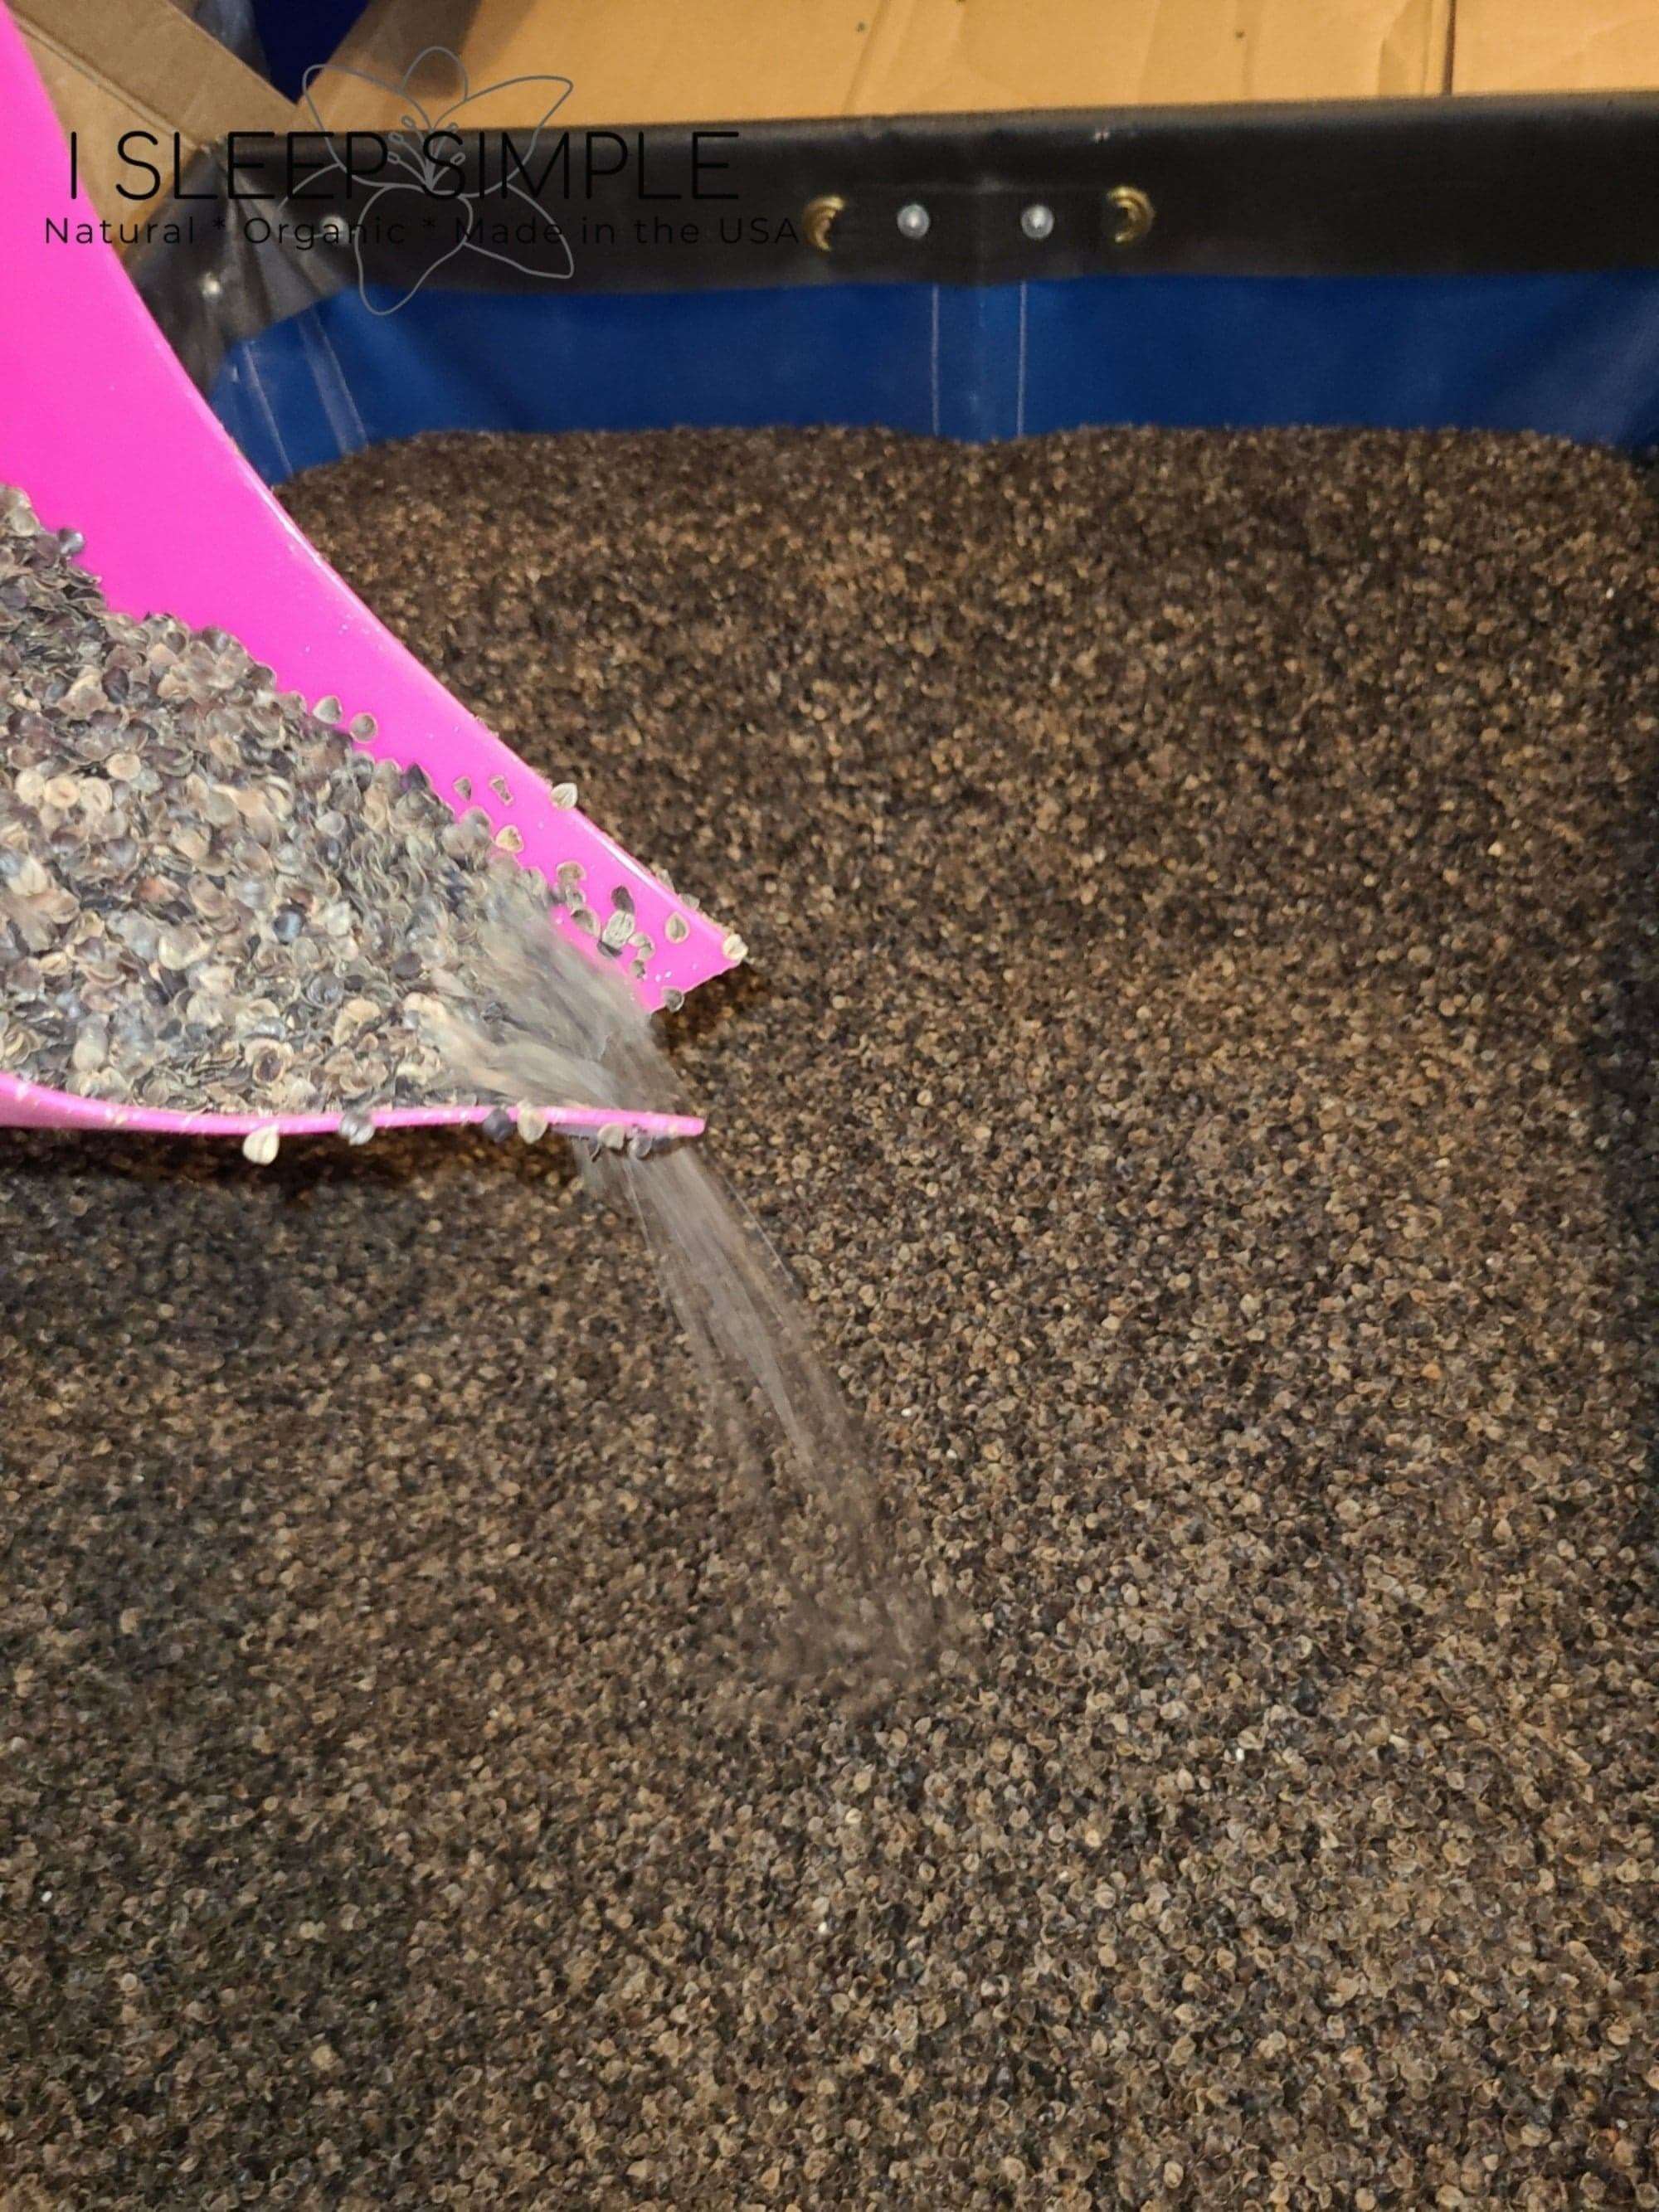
point(80, 359)
point(30, 1105)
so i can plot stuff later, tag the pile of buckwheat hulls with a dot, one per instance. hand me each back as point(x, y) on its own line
point(212, 899)
point(1203, 1079)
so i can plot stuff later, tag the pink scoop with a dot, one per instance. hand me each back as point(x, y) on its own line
point(102, 429)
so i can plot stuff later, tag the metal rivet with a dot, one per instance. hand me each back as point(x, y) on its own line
point(208, 285)
point(1133, 214)
point(913, 220)
point(819, 220)
point(1038, 221)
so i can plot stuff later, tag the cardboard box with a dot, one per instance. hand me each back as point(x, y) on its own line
point(1556, 46)
point(144, 64)
point(644, 61)
point(141, 66)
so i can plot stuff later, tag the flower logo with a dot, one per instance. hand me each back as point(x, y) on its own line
point(423, 150)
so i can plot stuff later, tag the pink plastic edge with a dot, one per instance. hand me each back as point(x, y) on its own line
point(81, 361)
point(33, 1106)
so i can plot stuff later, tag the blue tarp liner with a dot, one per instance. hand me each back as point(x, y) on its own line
point(1577, 356)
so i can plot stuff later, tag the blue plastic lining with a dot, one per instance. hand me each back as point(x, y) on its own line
point(1577, 356)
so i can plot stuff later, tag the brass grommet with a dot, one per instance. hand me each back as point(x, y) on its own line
point(818, 223)
point(1133, 213)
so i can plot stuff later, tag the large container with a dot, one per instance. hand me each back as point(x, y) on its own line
point(1471, 263)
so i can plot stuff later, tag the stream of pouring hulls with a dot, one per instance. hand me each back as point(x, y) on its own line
point(212, 898)
point(555, 1024)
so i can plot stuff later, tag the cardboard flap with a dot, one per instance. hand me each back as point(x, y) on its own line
point(936, 56)
point(142, 66)
point(1556, 46)
point(628, 61)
